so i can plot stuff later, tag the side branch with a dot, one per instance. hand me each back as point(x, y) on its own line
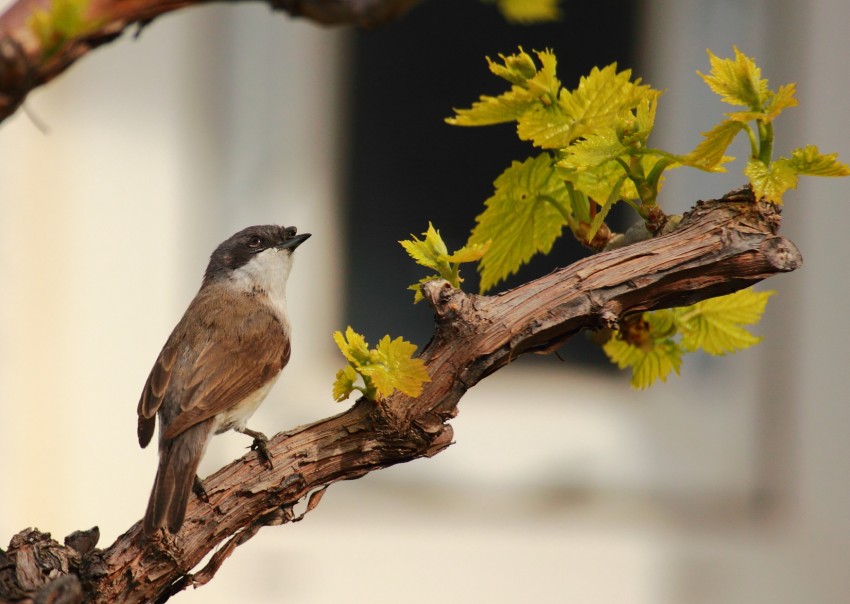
point(721, 246)
point(28, 60)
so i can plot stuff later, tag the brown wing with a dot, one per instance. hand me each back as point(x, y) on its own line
point(227, 372)
point(154, 391)
point(196, 377)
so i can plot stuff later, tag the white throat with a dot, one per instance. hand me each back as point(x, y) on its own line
point(267, 272)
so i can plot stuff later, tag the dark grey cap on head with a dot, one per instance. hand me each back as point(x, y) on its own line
point(238, 250)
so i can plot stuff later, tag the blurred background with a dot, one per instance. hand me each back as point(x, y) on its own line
point(730, 484)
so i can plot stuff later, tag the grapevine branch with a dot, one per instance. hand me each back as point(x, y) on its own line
point(25, 63)
point(721, 246)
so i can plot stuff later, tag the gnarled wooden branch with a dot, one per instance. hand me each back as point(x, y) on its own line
point(721, 246)
point(26, 64)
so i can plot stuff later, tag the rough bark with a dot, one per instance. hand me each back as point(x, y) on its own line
point(721, 246)
point(26, 64)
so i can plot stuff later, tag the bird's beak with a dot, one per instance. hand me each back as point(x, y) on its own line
point(294, 242)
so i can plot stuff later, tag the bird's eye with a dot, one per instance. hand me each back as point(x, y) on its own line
point(255, 242)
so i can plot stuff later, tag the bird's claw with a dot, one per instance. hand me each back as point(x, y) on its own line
point(199, 490)
point(261, 446)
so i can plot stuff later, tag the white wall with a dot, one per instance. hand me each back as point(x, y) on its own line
point(792, 545)
point(157, 150)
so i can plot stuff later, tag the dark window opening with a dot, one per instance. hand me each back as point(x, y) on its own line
point(407, 166)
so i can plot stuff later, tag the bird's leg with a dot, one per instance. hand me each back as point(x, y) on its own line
point(260, 445)
point(199, 490)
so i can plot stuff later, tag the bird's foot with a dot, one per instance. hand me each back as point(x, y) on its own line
point(199, 490)
point(260, 445)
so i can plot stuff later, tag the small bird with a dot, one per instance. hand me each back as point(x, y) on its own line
point(219, 363)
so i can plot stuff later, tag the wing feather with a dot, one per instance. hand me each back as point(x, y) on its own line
point(155, 389)
point(203, 376)
point(227, 371)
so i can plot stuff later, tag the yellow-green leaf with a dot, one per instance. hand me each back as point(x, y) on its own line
point(809, 161)
point(430, 252)
point(598, 183)
point(344, 383)
point(594, 150)
point(654, 362)
point(716, 325)
point(601, 98)
point(545, 84)
point(771, 181)
point(353, 346)
point(776, 103)
point(783, 99)
point(394, 368)
point(470, 252)
point(516, 68)
point(635, 125)
point(387, 367)
point(66, 19)
point(548, 115)
point(530, 11)
point(546, 126)
point(738, 81)
point(488, 110)
point(662, 323)
point(530, 84)
point(522, 218)
point(709, 154)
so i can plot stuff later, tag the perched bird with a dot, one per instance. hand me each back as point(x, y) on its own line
point(219, 363)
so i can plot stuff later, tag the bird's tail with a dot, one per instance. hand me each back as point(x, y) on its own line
point(178, 465)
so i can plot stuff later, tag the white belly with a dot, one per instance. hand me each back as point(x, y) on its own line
point(238, 415)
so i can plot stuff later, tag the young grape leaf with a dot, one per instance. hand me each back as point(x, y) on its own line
point(709, 154)
point(432, 253)
point(393, 367)
point(783, 99)
point(489, 110)
point(545, 126)
point(594, 150)
point(388, 367)
point(469, 253)
point(545, 84)
point(523, 95)
point(548, 115)
point(650, 363)
point(653, 346)
point(530, 11)
point(635, 125)
point(525, 216)
point(597, 183)
point(738, 81)
point(809, 161)
point(715, 325)
point(353, 346)
point(771, 181)
point(344, 384)
point(516, 69)
point(601, 98)
point(776, 103)
point(66, 19)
